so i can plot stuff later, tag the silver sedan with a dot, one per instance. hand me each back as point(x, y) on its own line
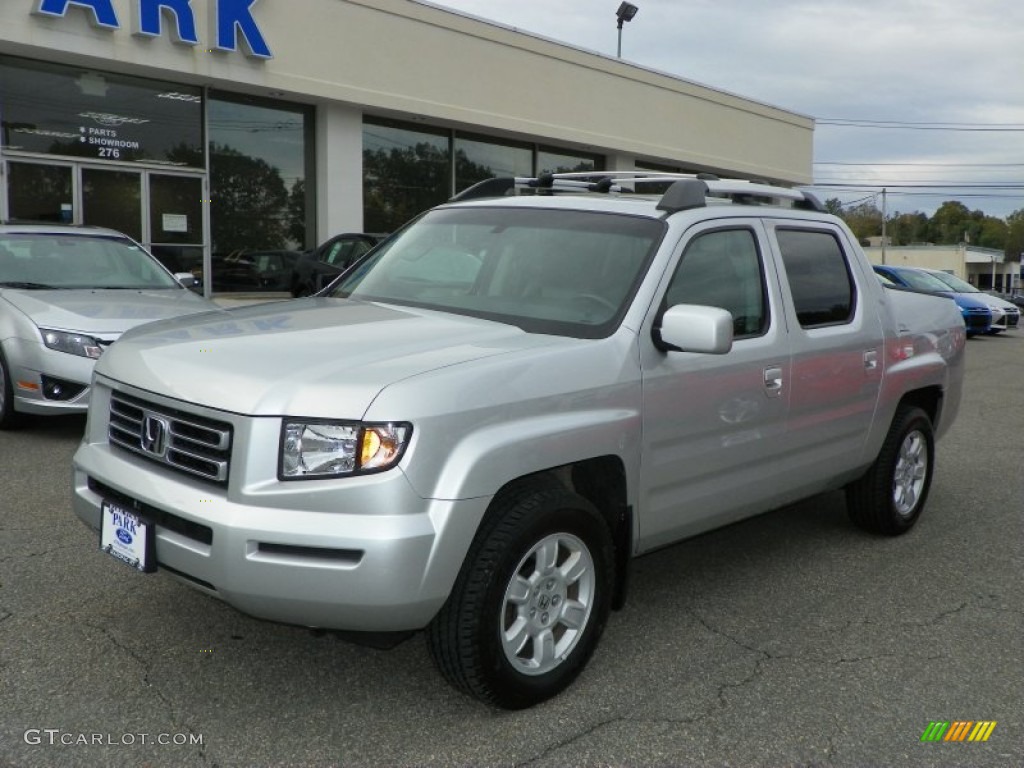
point(66, 293)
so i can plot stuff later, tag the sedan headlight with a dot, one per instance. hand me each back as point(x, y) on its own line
point(318, 449)
point(72, 343)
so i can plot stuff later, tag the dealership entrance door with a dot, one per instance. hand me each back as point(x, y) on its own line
point(162, 210)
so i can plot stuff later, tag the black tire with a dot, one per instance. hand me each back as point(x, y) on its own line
point(9, 419)
point(565, 602)
point(889, 498)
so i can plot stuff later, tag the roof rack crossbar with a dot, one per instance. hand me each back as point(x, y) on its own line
point(688, 190)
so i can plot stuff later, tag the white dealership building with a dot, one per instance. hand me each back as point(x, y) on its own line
point(204, 126)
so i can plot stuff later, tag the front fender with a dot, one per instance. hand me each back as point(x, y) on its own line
point(485, 459)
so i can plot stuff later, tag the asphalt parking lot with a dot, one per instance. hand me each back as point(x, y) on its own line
point(788, 640)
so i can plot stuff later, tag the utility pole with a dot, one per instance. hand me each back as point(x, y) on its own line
point(883, 225)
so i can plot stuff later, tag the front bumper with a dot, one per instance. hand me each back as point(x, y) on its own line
point(32, 365)
point(1009, 319)
point(362, 553)
point(977, 320)
point(1000, 320)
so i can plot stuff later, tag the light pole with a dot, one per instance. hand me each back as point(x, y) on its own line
point(625, 13)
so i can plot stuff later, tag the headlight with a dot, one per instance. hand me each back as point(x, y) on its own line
point(318, 449)
point(72, 343)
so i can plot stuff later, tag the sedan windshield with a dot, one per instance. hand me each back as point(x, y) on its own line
point(923, 281)
point(563, 272)
point(954, 282)
point(53, 261)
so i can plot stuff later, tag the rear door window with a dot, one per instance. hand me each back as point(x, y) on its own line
point(819, 277)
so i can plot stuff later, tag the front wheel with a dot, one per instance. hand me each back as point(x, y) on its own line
point(532, 599)
point(889, 498)
point(9, 418)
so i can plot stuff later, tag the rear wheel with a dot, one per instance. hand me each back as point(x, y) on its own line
point(889, 498)
point(531, 601)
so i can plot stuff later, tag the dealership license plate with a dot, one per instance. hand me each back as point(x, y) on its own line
point(127, 537)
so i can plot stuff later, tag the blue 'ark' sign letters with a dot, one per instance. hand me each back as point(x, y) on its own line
point(231, 21)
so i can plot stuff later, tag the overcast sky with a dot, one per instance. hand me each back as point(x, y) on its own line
point(924, 65)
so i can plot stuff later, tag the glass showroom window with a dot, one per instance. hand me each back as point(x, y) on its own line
point(478, 158)
point(406, 170)
point(55, 110)
point(658, 188)
point(555, 161)
point(39, 192)
point(259, 160)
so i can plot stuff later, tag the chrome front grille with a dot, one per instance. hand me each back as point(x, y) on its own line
point(191, 444)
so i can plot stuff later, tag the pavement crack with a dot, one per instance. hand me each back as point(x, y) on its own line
point(735, 641)
point(27, 555)
point(140, 660)
point(571, 740)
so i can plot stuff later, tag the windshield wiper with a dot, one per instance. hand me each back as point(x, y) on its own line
point(28, 286)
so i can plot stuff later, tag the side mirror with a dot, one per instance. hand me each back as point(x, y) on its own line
point(693, 328)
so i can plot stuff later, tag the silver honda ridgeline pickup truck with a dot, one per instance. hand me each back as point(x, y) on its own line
point(473, 430)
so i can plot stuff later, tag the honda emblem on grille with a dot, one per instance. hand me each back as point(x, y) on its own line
point(154, 435)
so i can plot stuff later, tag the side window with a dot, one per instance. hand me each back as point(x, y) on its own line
point(723, 269)
point(818, 275)
point(359, 247)
point(337, 252)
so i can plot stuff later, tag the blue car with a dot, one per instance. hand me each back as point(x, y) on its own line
point(977, 314)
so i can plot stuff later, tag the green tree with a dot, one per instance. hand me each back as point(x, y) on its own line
point(834, 206)
point(1014, 248)
point(401, 182)
point(907, 228)
point(992, 233)
point(249, 205)
point(297, 214)
point(865, 220)
point(952, 223)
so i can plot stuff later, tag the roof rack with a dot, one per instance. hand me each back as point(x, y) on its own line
point(688, 190)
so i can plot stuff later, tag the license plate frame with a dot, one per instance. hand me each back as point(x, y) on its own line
point(127, 537)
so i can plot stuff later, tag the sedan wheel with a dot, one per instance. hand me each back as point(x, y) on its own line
point(8, 418)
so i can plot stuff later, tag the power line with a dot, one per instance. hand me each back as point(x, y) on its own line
point(947, 195)
point(943, 126)
point(876, 184)
point(920, 164)
point(920, 122)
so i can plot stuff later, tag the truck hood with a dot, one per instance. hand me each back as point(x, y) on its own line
point(102, 312)
point(317, 357)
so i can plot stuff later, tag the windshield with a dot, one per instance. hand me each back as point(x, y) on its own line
point(60, 261)
point(923, 281)
point(954, 282)
point(563, 272)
